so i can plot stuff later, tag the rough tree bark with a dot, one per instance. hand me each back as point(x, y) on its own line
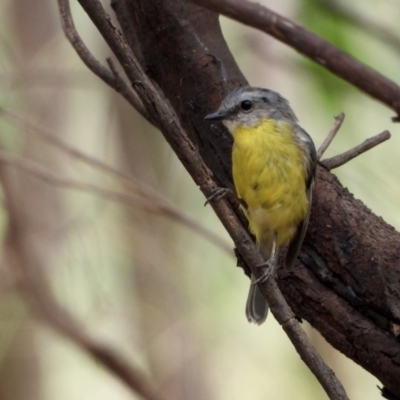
point(347, 283)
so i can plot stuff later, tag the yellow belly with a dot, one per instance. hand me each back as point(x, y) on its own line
point(269, 175)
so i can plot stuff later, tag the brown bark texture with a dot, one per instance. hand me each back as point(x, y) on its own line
point(346, 283)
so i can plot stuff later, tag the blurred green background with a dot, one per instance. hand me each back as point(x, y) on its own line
point(161, 295)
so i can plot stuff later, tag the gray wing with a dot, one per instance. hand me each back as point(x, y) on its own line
point(310, 165)
point(297, 241)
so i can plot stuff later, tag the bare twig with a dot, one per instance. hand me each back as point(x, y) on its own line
point(331, 135)
point(156, 104)
point(118, 79)
point(111, 78)
point(146, 203)
point(311, 45)
point(368, 144)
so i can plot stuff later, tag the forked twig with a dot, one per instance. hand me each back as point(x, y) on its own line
point(111, 78)
point(348, 155)
point(339, 160)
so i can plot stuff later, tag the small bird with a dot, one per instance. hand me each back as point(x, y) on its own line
point(273, 168)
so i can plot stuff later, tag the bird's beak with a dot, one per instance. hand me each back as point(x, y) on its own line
point(217, 116)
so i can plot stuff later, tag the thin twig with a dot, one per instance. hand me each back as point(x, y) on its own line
point(111, 78)
point(118, 79)
point(331, 135)
point(348, 155)
point(156, 103)
point(311, 45)
point(149, 204)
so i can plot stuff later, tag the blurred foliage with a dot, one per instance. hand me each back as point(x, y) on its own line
point(346, 26)
point(336, 29)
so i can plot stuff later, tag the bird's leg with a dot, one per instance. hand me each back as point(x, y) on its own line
point(269, 265)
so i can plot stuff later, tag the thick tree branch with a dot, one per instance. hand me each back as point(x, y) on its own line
point(352, 297)
point(198, 73)
point(312, 46)
point(156, 104)
point(355, 302)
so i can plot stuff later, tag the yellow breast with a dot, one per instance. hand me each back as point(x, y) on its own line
point(269, 175)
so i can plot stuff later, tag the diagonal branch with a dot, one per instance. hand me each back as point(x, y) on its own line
point(157, 104)
point(311, 45)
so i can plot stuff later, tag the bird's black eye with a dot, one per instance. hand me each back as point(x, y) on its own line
point(246, 105)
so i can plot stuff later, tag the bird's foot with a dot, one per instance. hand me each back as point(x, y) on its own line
point(269, 267)
point(218, 194)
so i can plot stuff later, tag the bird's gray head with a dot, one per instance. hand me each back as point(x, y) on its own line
point(249, 105)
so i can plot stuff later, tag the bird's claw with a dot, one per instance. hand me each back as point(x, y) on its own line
point(218, 194)
point(269, 268)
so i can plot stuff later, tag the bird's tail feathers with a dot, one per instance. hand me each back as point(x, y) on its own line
point(256, 305)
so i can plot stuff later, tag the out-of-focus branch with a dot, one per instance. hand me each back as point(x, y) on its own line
point(311, 45)
point(340, 159)
point(367, 25)
point(24, 258)
point(130, 181)
point(156, 103)
point(111, 78)
point(154, 205)
point(62, 321)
